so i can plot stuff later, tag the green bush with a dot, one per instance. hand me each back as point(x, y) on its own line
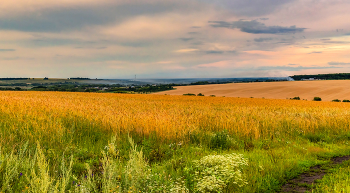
point(336, 100)
point(317, 99)
point(346, 101)
point(189, 94)
point(220, 140)
point(296, 98)
point(200, 94)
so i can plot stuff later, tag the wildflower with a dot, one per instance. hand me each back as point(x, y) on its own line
point(20, 174)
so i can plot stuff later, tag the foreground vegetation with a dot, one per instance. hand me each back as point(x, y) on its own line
point(98, 142)
point(337, 181)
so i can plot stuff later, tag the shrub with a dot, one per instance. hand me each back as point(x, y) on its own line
point(296, 98)
point(317, 99)
point(214, 173)
point(336, 100)
point(220, 140)
point(200, 94)
point(346, 101)
point(189, 94)
point(212, 95)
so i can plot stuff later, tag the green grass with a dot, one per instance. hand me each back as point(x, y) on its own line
point(157, 165)
point(338, 180)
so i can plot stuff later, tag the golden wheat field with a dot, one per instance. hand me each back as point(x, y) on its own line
point(55, 114)
point(326, 89)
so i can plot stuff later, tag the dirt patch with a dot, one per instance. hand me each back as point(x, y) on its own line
point(305, 180)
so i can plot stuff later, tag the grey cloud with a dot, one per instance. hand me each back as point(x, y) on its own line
point(232, 51)
point(193, 32)
point(11, 58)
point(250, 7)
point(197, 43)
point(196, 27)
point(255, 27)
point(186, 39)
point(315, 53)
point(262, 39)
point(292, 64)
point(7, 50)
point(73, 18)
point(264, 19)
point(338, 63)
point(83, 44)
point(214, 52)
point(294, 68)
point(337, 42)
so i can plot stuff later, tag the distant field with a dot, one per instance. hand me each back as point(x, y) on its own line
point(326, 89)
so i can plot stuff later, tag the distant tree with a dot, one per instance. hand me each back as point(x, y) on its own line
point(189, 94)
point(317, 99)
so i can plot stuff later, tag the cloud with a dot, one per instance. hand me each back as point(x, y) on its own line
point(262, 39)
point(292, 64)
point(264, 19)
point(220, 64)
point(255, 27)
point(294, 68)
point(7, 50)
point(250, 7)
point(66, 16)
point(11, 58)
point(338, 63)
point(315, 52)
point(186, 39)
point(165, 62)
point(186, 50)
point(214, 52)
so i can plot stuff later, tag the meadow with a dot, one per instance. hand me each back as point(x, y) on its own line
point(99, 142)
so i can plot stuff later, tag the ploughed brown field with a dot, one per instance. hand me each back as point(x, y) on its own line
point(326, 89)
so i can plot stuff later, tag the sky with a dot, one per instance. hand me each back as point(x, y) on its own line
point(173, 38)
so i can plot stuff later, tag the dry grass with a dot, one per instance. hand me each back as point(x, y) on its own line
point(327, 90)
point(54, 115)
